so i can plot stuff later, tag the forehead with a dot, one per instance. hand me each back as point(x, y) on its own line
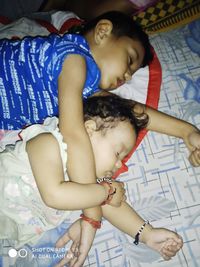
point(133, 46)
point(122, 134)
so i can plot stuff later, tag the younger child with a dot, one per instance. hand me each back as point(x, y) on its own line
point(33, 175)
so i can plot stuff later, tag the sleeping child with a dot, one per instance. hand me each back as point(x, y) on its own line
point(36, 191)
point(50, 76)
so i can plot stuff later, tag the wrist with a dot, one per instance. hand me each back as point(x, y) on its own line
point(96, 224)
point(144, 237)
point(187, 130)
point(111, 191)
point(95, 213)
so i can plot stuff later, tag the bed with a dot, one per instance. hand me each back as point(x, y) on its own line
point(160, 182)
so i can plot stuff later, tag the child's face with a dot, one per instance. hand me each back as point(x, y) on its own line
point(111, 148)
point(118, 60)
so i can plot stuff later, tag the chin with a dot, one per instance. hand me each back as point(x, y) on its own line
point(106, 87)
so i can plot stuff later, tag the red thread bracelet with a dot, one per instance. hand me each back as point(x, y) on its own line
point(95, 224)
point(111, 192)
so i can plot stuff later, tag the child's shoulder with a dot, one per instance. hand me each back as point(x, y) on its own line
point(44, 152)
point(44, 144)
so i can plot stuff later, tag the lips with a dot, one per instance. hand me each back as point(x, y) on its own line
point(119, 82)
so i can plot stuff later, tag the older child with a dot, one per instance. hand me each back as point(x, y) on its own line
point(39, 159)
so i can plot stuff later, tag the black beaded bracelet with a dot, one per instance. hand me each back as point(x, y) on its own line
point(136, 242)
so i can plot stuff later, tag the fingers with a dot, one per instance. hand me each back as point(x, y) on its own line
point(69, 257)
point(194, 138)
point(74, 248)
point(73, 262)
point(73, 259)
point(63, 241)
point(194, 158)
point(80, 260)
point(121, 183)
point(169, 251)
point(171, 247)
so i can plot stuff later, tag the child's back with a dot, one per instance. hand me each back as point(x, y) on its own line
point(29, 78)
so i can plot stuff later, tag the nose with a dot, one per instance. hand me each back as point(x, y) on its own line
point(128, 76)
point(118, 164)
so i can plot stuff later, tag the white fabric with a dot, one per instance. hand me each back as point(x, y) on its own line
point(22, 27)
point(23, 215)
point(137, 87)
point(60, 17)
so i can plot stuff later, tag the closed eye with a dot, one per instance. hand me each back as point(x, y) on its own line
point(130, 61)
point(117, 154)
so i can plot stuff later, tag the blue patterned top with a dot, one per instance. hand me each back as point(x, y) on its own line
point(29, 77)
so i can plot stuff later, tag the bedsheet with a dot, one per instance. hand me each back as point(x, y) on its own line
point(161, 184)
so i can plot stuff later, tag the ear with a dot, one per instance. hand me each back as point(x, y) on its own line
point(90, 127)
point(103, 30)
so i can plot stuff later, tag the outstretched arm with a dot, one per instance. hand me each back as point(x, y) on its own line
point(166, 124)
point(164, 241)
point(163, 123)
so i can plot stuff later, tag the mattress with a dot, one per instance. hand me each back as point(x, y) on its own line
point(160, 183)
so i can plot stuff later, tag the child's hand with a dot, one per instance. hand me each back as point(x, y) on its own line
point(81, 234)
point(119, 196)
point(193, 143)
point(164, 241)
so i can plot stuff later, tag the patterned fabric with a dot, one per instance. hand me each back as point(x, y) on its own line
point(167, 14)
point(23, 215)
point(161, 185)
point(29, 77)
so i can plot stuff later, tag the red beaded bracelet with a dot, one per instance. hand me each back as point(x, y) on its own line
point(95, 224)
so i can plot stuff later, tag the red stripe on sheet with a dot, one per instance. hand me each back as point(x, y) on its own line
point(5, 20)
point(47, 25)
point(153, 95)
point(69, 23)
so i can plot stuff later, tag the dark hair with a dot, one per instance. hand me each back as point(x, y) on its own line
point(123, 25)
point(111, 109)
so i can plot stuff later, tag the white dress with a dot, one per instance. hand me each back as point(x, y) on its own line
point(23, 214)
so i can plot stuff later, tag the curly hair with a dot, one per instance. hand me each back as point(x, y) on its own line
point(107, 111)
